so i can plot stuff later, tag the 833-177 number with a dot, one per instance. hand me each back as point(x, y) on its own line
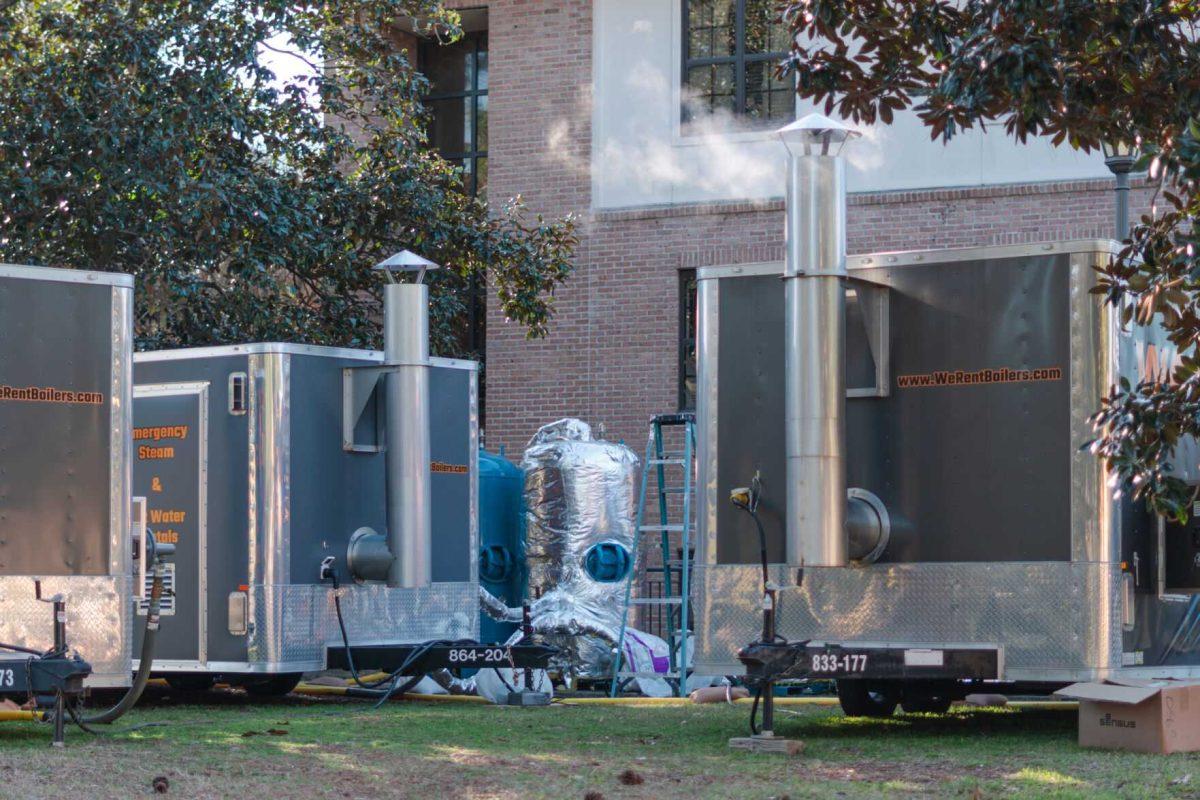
point(831, 663)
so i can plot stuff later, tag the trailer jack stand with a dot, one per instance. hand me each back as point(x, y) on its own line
point(55, 673)
point(764, 740)
point(527, 697)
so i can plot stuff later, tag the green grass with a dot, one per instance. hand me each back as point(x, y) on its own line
point(337, 749)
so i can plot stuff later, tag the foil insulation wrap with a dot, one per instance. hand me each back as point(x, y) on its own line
point(580, 492)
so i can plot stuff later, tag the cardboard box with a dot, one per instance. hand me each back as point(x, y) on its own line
point(1145, 716)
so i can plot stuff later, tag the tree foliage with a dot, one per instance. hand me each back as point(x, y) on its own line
point(1080, 72)
point(154, 137)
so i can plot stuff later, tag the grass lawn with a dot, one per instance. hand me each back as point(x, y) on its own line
point(222, 746)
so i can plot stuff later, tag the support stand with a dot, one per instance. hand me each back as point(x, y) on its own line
point(765, 741)
point(526, 696)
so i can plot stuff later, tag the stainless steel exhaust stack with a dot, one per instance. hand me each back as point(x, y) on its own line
point(815, 345)
point(406, 347)
point(407, 559)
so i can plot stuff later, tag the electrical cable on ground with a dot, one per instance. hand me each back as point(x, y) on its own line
point(393, 677)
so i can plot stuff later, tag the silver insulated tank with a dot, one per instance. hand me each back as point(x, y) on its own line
point(580, 498)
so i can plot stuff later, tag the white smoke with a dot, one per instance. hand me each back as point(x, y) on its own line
point(711, 154)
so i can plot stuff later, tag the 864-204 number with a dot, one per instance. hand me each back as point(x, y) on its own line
point(831, 663)
point(478, 655)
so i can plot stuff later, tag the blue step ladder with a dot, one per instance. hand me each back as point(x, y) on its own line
point(674, 473)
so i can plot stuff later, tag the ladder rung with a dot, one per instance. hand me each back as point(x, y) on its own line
point(667, 528)
point(678, 418)
point(674, 490)
point(678, 461)
point(655, 601)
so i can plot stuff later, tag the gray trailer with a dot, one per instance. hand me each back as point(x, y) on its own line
point(915, 421)
point(65, 363)
point(259, 462)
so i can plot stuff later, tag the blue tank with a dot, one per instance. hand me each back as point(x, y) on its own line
point(501, 538)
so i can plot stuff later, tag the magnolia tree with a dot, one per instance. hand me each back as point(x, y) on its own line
point(155, 138)
point(1079, 72)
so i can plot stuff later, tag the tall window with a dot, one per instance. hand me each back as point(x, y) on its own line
point(687, 340)
point(458, 130)
point(458, 103)
point(731, 49)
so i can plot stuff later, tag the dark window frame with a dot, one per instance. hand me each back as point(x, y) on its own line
point(476, 300)
point(474, 153)
point(738, 60)
point(686, 361)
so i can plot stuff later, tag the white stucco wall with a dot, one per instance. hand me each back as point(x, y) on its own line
point(639, 156)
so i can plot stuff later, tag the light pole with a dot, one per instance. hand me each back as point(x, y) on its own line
point(1120, 156)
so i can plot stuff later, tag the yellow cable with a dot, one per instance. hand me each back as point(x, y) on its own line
point(20, 716)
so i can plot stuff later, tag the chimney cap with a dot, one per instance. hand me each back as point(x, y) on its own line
point(406, 261)
point(816, 134)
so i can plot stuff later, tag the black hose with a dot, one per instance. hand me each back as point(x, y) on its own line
point(354, 674)
point(755, 728)
point(392, 677)
point(145, 662)
point(762, 546)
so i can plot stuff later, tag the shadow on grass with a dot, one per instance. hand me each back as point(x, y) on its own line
point(974, 722)
point(166, 697)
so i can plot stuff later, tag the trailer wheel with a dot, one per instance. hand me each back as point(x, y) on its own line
point(866, 699)
point(190, 682)
point(272, 685)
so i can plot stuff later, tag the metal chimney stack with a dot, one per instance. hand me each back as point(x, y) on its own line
point(815, 345)
point(406, 349)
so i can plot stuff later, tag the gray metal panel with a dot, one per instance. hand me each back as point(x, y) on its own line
point(98, 620)
point(1100, 248)
point(968, 473)
point(270, 469)
point(58, 275)
point(1095, 367)
point(1045, 615)
point(286, 348)
point(306, 489)
point(333, 492)
point(1063, 616)
point(59, 466)
point(171, 472)
point(454, 451)
point(708, 357)
point(228, 489)
point(120, 440)
point(294, 624)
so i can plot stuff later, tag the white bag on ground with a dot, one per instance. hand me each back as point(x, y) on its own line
point(495, 684)
point(427, 686)
point(645, 652)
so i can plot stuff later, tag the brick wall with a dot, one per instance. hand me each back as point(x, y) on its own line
point(611, 355)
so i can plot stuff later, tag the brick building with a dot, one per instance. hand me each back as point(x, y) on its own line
point(651, 121)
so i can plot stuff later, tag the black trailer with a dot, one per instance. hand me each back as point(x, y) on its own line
point(65, 366)
point(1002, 555)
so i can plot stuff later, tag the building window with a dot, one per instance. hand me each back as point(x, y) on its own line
point(458, 105)
point(458, 130)
point(731, 51)
point(687, 340)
